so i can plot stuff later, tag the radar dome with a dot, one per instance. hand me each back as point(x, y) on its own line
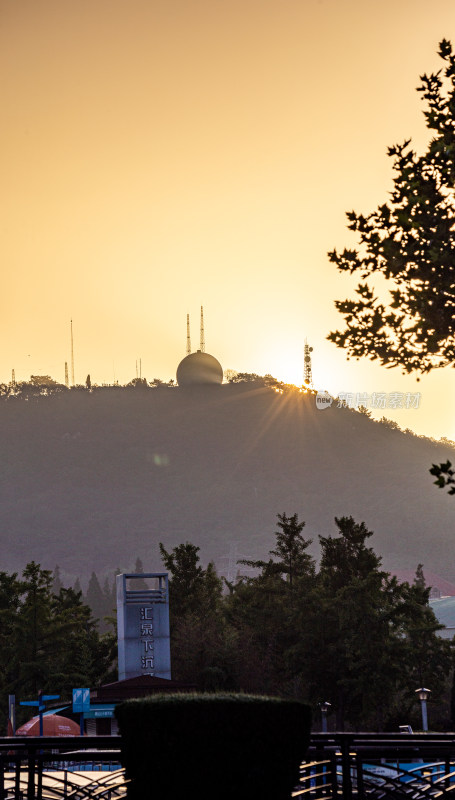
point(199, 368)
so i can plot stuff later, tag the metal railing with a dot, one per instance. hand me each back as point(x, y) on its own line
point(339, 766)
point(361, 766)
point(61, 768)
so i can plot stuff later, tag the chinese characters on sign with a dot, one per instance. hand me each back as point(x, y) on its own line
point(143, 625)
point(147, 640)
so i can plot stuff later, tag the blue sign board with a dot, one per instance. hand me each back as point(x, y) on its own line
point(81, 700)
point(100, 710)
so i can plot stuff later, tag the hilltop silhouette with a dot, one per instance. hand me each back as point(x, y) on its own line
point(91, 480)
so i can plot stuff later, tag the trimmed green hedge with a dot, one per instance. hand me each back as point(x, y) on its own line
point(213, 746)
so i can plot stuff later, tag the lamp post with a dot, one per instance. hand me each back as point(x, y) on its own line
point(325, 706)
point(423, 695)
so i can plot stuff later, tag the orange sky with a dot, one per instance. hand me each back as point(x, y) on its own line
point(162, 154)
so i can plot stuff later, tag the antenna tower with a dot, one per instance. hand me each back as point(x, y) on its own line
point(67, 383)
point(202, 347)
point(72, 355)
point(307, 373)
point(13, 378)
point(188, 340)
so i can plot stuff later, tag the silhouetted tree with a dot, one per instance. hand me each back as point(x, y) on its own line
point(290, 549)
point(374, 637)
point(409, 241)
point(419, 579)
point(197, 626)
point(191, 588)
point(85, 657)
point(251, 377)
point(96, 599)
point(139, 570)
point(47, 641)
point(36, 633)
point(348, 633)
point(42, 380)
point(261, 611)
point(445, 476)
point(56, 580)
point(138, 383)
point(10, 593)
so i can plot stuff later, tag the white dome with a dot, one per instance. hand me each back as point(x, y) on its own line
point(199, 368)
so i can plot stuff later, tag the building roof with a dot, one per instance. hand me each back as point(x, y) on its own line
point(439, 585)
point(444, 609)
point(139, 686)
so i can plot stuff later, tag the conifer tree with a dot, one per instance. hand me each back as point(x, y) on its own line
point(290, 551)
point(47, 641)
point(10, 592)
point(56, 580)
point(197, 629)
point(372, 637)
point(419, 579)
point(139, 570)
point(95, 598)
point(36, 632)
point(187, 578)
point(109, 601)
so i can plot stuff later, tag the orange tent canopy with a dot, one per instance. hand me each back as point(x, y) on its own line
point(53, 725)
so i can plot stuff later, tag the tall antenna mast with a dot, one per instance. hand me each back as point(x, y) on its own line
point(72, 355)
point(13, 377)
point(202, 331)
point(67, 383)
point(188, 340)
point(307, 373)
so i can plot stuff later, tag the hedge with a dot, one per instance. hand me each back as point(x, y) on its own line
point(213, 746)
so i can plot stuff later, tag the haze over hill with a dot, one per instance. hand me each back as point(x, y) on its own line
point(92, 480)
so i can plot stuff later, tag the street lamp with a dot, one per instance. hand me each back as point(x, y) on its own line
point(325, 706)
point(423, 695)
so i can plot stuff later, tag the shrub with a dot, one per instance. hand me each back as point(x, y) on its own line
point(213, 745)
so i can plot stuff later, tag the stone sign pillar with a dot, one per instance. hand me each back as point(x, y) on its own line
point(143, 625)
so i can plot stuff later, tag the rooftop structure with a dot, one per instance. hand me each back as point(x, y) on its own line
point(198, 368)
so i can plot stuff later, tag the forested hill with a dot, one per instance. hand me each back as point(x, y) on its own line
point(93, 480)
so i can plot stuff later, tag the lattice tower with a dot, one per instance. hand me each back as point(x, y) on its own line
point(202, 346)
point(307, 372)
point(72, 355)
point(188, 338)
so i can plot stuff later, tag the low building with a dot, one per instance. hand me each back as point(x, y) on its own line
point(100, 719)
